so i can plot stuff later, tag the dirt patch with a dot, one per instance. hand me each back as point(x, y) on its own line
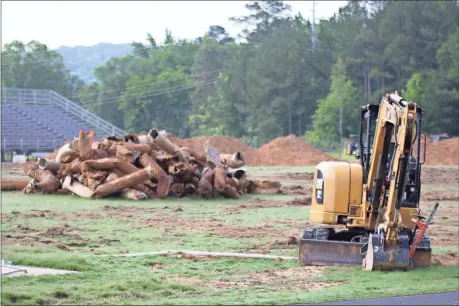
point(443, 236)
point(300, 278)
point(296, 189)
point(442, 176)
point(443, 152)
point(35, 213)
point(440, 195)
point(32, 240)
point(24, 235)
point(258, 203)
point(214, 227)
point(448, 259)
point(300, 201)
point(287, 151)
point(56, 231)
point(296, 176)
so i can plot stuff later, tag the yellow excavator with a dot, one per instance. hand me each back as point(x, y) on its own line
point(376, 200)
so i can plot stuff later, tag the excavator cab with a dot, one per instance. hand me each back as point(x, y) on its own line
point(357, 197)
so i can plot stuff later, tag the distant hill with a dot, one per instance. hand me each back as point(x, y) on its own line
point(82, 60)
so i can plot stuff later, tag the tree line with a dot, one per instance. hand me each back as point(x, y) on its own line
point(271, 82)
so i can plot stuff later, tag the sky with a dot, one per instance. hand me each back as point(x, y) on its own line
point(86, 23)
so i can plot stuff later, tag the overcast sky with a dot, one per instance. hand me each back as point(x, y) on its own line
point(71, 23)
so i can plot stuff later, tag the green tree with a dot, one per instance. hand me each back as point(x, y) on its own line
point(326, 131)
point(33, 65)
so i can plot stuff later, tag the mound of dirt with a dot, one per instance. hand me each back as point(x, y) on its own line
point(287, 151)
point(224, 144)
point(443, 152)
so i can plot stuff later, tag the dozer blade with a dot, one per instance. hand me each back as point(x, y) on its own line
point(323, 252)
point(380, 256)
point(329, 252)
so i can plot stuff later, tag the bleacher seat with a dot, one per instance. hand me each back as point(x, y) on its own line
point(28, 127)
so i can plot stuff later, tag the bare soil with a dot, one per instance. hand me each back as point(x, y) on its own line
point(448, 259)
point(287, 151)
point(440, 176)
point(443, 152)
point(289, 279)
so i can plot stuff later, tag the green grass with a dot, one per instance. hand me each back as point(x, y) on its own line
point(155, 225)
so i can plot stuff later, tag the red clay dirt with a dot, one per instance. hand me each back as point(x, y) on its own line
point(282, 151)
point(443, 152)
point(288, 151)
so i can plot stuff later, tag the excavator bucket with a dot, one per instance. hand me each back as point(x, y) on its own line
point(380, 256)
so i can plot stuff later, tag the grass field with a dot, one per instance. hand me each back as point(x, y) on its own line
point(67, 232)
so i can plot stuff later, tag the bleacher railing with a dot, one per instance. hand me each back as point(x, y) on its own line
point(45, 96)
point(25, 145)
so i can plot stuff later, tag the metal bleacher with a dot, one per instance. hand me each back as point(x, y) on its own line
point(35, 120)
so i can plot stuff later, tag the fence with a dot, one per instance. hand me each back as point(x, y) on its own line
point(26, 145)
point(45, 96)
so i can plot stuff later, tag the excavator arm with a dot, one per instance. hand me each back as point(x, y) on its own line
point(387, 248)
